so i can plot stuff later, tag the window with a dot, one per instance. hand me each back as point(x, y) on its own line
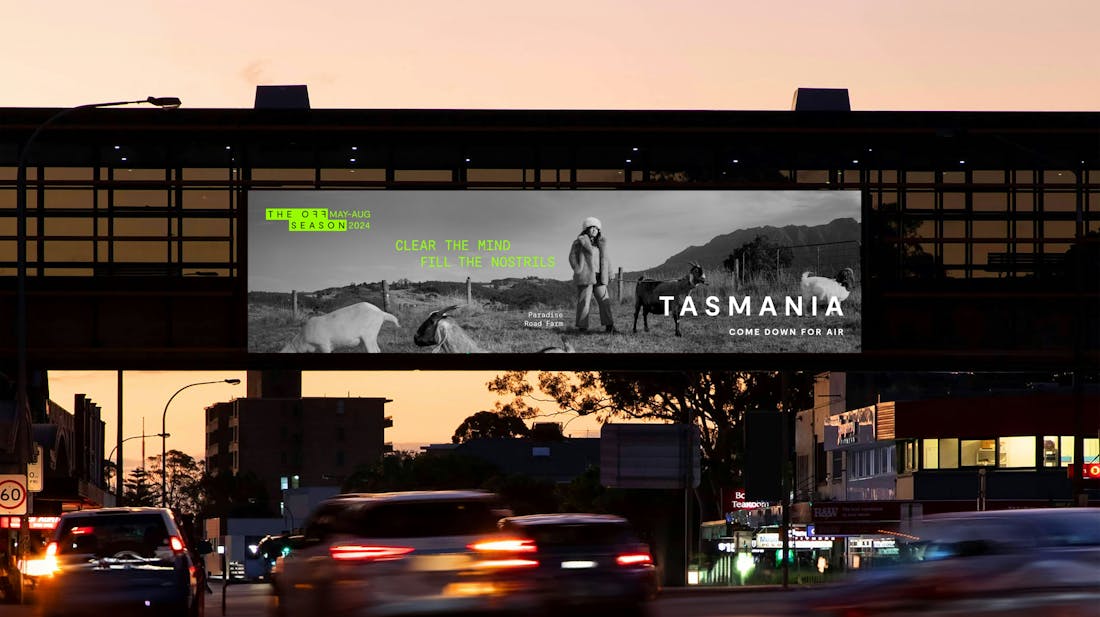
point(1050, 451)
point(949, 453)
point(977, 452)
point(837, 466)
point(931, 453)
point(1017, 452)
point(284, 483)
point(294, 481)
point(339, 459)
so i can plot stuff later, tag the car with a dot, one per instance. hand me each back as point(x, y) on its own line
point(419, 552)
point(591, 561)
point(121, 561)
point(1005, 562)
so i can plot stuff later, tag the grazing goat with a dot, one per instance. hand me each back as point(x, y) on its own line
point(822, 288)
point(441, 331)
point(350, 326)
point(565, 347)
point(846, 277)
point(648, 293)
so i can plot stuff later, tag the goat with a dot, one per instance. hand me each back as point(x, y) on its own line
point(823, 288)
point(349, 326)
point(846, 277)
point(441, 331)
point(565, 347)
point(648, 293)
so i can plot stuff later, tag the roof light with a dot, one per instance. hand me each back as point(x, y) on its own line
point(355, 147)
point(351, 160)
point(735, 161)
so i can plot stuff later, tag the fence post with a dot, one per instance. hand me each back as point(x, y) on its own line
point(385, 296)
point(294, 300)
point(737, 275)
point(469, 291)
point(619, 296)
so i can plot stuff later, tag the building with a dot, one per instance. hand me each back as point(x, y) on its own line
point(545, 455)
point(998, 442)
point(289, 441)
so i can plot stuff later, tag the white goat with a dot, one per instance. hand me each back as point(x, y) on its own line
point(441, 331)
point(822, 288)
point(350, 326)
point(648, 293)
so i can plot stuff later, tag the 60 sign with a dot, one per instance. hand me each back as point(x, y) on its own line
point(13, 494)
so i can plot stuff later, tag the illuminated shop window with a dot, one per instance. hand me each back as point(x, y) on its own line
point(931, 453)
point(949, 453)
point(1050, 451)
point(1017, 452)
point(978, 452)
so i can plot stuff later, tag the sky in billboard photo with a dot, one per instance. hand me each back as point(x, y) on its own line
point(644, 228)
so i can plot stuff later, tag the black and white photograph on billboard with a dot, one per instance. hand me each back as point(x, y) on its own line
point(515, 272)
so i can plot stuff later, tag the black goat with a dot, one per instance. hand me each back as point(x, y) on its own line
point(648, 293)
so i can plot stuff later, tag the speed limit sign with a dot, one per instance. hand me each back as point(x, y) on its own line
point(13, 494)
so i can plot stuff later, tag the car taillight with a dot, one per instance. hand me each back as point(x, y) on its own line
point(176, 544)
point(634, 559)
point(504, 545)
point(359, 552)
point(505, 563)
point(51, 550)
point(80, 531)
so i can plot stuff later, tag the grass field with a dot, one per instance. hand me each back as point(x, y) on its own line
point(495, 319)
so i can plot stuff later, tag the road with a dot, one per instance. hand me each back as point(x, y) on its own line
point(254, 601)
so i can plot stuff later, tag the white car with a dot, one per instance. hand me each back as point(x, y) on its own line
point(406, 553)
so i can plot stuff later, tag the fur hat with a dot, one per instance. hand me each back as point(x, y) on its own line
point(591, 222)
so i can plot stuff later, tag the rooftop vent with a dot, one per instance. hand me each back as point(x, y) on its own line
point(821, 99)
point(282, 97)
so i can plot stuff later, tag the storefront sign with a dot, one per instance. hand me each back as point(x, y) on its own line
point(856, 511)
point(734, 500)
point(850, 428)
point(46, 523)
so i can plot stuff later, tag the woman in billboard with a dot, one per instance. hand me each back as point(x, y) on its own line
point(591, 272)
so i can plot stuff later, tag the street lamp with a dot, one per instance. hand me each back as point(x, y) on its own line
point(164, 437)
point(168, 102)
point(107, 459)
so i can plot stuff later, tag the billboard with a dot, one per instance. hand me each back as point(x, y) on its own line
point(516, 272)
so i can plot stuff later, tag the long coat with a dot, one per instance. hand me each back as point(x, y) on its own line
point(588, 261)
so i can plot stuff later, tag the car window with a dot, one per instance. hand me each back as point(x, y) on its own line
point(124, 535)
point(587, 534)
point(421, 519)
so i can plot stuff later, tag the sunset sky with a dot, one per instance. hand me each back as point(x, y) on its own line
point(637, 54)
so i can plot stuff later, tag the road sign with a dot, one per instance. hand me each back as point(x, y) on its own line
point(13, 494)
point(664, 456)
point(34, 471)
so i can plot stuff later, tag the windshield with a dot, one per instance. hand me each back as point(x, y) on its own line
point(123, 536)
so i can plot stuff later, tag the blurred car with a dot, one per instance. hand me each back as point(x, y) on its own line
point(1005, 562)
point(121, 561)
point(405, 553)
point(587, 561)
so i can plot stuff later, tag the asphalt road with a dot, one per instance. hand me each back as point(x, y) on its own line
point(254, 600)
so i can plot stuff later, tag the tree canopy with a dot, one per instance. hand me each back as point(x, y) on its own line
point(490, 424)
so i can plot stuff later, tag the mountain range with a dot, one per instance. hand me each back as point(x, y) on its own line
point(713, 253)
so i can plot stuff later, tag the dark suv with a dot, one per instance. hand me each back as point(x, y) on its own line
point(119, 561)
point(587, 560)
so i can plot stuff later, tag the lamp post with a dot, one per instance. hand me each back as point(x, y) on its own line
point(22, 407)
point(108, 457)
point(164, 437)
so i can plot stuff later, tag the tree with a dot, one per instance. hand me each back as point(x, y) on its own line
point(715, 402)
point(759, 257)
point(184, 493)
point(139, 490)
point(490, 424)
